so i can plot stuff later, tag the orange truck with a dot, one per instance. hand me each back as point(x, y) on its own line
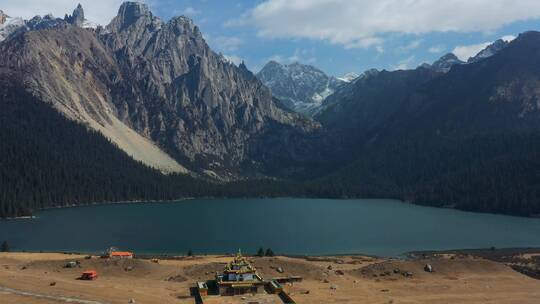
point(89, 275)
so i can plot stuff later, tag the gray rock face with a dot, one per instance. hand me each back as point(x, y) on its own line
point(144, 83)
point(301, 88)
point(178, 92)
point(77, 18)
point(152, 87)
point(3, 17)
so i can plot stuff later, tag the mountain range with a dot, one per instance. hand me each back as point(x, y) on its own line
point(144, 109)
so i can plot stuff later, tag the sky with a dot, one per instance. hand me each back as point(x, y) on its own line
point(337, 36)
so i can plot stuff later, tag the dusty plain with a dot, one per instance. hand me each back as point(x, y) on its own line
point(458, 277)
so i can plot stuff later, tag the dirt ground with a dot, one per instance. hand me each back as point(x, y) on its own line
point(41, 278)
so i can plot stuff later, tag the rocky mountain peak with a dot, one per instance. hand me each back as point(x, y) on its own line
point(130, 12)
point(77, 18)
point(3, 17)
point(446, 62)
point(185, 26)
point(489, 51)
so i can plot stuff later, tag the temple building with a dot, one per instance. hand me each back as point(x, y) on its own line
point(239, 277)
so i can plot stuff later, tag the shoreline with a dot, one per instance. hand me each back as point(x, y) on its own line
point(129, 202)
point(403, 256)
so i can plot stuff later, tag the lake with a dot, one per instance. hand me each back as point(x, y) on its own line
point(290, 226)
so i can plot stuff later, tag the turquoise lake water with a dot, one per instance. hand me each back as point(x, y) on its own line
point(289, 226)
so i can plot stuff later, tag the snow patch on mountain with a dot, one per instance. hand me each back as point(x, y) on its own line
point(349, 77)
point(301, 88)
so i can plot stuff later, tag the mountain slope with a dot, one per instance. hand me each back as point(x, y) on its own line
point(47, 160)
point(468, 138)
point(357, 110)
point(155, 89)
point(69, 67)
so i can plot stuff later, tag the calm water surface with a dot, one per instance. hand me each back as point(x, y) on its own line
point(292, 226)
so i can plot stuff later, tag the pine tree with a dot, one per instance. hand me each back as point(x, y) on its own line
point(260, 252)
point(190, 253)
point(269, 252)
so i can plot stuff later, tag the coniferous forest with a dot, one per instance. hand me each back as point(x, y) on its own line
point(49, 161)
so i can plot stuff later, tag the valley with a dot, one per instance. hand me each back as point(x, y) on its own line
point(455, 133)
point(383, 152)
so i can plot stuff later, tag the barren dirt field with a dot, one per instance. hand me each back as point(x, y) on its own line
point(41, 278)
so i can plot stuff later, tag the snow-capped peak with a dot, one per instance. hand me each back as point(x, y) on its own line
point(446, 62)
point(489, 51)
point(349, 77)
point(12, 26)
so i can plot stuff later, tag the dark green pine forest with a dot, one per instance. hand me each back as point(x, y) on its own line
point(48, 161)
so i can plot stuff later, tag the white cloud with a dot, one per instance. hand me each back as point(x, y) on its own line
point(362, 23)
point(226, 43)
point(464, 52)
point(411, 46)
point(404, 64)
point(190, 11)
point(436, 49)
point(99, 11)
point(300, 55)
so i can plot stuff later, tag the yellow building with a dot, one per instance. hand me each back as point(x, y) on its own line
point(239, 277)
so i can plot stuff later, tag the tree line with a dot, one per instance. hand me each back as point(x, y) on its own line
point(49, 161)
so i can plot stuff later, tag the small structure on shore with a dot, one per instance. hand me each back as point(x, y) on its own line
point(121, 255)
point(114, 253)
point(239, 277)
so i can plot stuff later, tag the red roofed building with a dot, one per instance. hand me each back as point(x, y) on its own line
point(121, 255)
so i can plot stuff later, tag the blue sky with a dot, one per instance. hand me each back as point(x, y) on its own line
point(338, 36)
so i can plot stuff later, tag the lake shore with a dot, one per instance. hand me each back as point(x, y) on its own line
point(456, 278)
